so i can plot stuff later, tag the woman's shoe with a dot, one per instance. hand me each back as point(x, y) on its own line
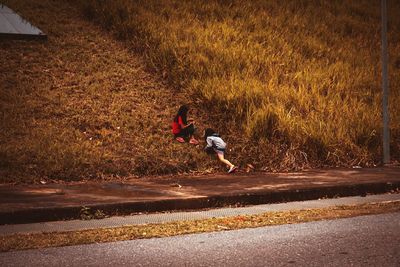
point(180, 140)
point(232, 169)
point(194, 141)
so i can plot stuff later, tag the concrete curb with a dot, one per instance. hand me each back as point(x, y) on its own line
point(125, 208)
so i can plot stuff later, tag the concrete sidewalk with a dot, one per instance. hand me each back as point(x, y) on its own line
point(158, 218)
point(38, 203)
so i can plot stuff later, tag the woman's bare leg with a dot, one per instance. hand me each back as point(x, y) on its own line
point(222, 159)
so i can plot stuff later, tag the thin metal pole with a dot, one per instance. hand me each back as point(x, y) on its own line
point(385, 86)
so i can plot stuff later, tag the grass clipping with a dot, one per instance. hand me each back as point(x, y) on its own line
point(57, 239)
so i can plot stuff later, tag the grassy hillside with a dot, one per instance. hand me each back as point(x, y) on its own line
point(305, 74)
point(289, 85)
point(81, 106)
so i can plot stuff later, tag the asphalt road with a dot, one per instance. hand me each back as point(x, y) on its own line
point(360, 241)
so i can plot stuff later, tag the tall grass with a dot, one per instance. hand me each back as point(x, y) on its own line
point(288, 84)
point(306, 73)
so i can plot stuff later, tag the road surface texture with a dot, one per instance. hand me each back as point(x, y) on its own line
point(360, 241)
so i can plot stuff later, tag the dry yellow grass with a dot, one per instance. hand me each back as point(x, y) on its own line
point(81, 105)
point(302, 73)
point(289, 84)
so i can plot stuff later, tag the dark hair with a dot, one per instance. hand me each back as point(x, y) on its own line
point(208, 132)
point(183, 110)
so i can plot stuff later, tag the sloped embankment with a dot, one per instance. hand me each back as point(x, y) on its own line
point(298, 80)
point(81, 105)
point(289, 85)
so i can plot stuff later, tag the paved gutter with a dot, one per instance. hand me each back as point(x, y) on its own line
point(43, 214)
point(75, 225)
